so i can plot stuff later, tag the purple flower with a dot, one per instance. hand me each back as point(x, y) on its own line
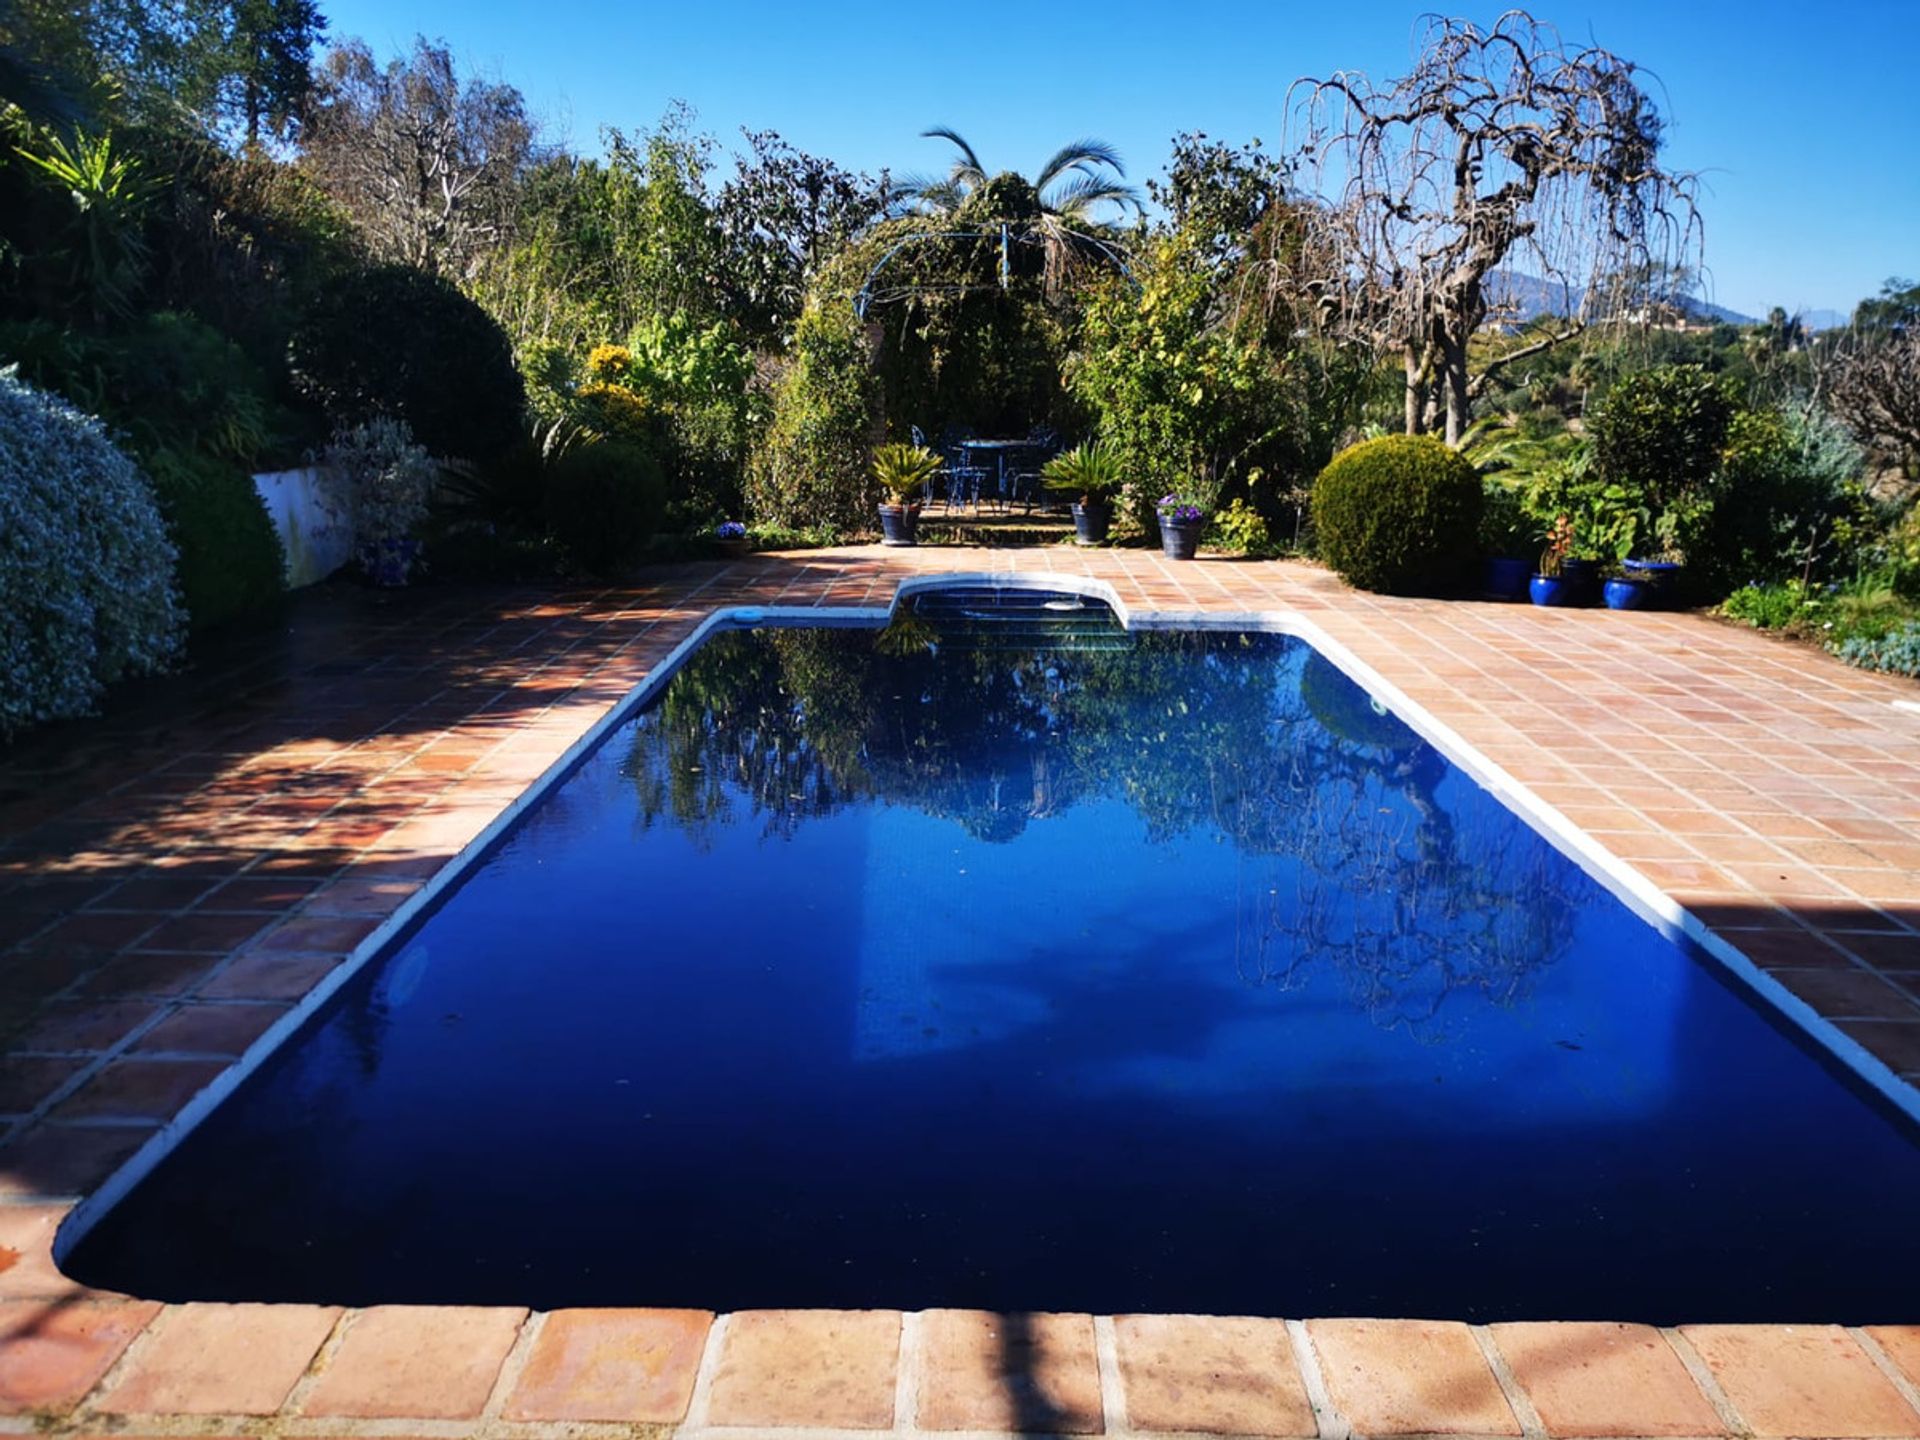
point(1172, 508)
point(730, 530)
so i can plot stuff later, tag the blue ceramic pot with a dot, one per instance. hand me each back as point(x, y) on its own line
point(1550, 590)
point(1505, 579)
point(1662, 577)
point(1626, 594)
point(390, 562)
point(1583, 577)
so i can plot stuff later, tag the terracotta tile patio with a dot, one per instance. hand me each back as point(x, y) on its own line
point(175, 876)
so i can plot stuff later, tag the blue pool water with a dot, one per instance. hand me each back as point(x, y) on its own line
point(1027, 963)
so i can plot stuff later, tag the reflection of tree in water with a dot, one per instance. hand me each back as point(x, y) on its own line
point(797, 724)
point(1411, 900)
point(1256, 739)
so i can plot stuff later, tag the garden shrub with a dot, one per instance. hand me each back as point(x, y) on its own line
point(198, 415)
point(813, 466)
point(1661, 429)
point(1507, 531)
point(1400, 515)
point(1787, 501)
point(603, 502)
point(1897, 652)
point(232, 568)
point(1238, 527)
point(1657, 442)
point(86, 568)
point(397, 341)
point(1767, 607)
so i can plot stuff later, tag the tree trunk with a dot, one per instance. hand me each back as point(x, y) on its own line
point(1416, 413)
point(1453, 380)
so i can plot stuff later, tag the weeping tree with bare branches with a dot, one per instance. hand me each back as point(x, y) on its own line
point(1505, 160)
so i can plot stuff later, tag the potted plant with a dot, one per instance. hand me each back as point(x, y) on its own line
point(1627, 591)
point(1550, 585)
point(390, 479)
point(1091, 471)
point(731, 537)
point(1181, 519)
point(1663, 573)
point(903, 472)
point(1508, 535)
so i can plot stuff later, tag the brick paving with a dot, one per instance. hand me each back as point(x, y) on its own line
point(174, 877)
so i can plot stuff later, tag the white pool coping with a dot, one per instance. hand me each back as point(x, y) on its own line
point(1640, 895)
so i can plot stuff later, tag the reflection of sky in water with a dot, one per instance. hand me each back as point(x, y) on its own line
point(1168, 977)
point(969, 969)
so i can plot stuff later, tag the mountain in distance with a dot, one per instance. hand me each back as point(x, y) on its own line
point(1533, 297)
point(1824, 319)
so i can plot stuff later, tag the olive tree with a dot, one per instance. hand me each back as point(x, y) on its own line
point(1504, 159)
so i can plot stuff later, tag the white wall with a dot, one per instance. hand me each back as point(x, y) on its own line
point(310, 512)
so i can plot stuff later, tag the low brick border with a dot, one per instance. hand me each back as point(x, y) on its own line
point(173, 879)
point(133, 1367)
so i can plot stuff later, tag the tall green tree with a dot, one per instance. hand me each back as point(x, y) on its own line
point(259, 65)
point(781, 216)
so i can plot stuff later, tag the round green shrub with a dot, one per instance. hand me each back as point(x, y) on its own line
point(399, 342)
point(1660, 431)
point(604, 501)
point(232, 567)
point(1400, 515)
point(86, 568)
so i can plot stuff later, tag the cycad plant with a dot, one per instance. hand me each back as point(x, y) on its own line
point(1073, 185)
point(904, 470)
point(1090, 470)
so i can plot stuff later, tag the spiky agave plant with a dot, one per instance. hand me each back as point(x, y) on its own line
point(904, 470)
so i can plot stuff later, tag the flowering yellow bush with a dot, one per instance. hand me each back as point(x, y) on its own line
point(616, 412)
point(609, 362)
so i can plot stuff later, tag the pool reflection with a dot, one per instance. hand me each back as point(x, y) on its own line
point(1033, 965)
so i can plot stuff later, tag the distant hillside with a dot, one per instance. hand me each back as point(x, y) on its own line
point(1824, 319)
point(1534, 297)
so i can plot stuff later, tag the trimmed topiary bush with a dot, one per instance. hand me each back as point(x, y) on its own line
point(396, 341)
point(1400, 515)
point(86, 568)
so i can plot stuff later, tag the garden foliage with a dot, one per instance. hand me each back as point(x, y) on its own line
point(86, 570)
point(401, 342)
point(199, 416)
point(813, 467)
point(603, 500)
point(1400, 514)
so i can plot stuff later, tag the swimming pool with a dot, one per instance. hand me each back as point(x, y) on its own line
point(1007, 958)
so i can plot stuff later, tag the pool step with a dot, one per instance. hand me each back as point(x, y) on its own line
point(984, 617)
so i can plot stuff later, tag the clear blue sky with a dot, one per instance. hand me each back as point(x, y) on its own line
point(1801, 114)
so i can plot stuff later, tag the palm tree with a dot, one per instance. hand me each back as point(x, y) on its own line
point(1078, 179)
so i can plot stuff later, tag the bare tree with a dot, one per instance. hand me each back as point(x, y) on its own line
point(1873, 384)
point(427, 165)
point(1504, 161)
